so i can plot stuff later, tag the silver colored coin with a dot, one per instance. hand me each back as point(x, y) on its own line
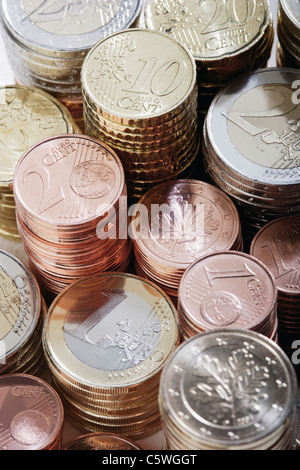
point(290, 13)
point(66, 26)
point(228, 389)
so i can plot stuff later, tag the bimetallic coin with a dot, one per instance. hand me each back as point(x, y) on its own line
point(101, 441)
point(227, 389)
point(31, 414)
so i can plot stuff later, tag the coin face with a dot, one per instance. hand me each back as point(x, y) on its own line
point(68, 25)
point(101, 441)
point(27, 116)
point(207, 390)
point(209, 29)
point(253, 125)
point(277, 246)
point(31, 413)
point(115, 330)
point(227, 289)
point(20, 305)
point(138, 74)
point(291, 8)
point(68, 180)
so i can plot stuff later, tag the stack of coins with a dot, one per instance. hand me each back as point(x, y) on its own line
point(288, 31)
point(31, 414)
point(47, 41)
point(106, 340)
point(70, 192)
point(226, 38)
point(277, 245)
point(101, 441)
point(27, 115)
point(229, 389)
point(178, 222)
point(140, 97)
point(22, 313)
point(227, 289)
point(251, 146)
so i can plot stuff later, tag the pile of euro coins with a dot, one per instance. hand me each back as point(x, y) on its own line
point(26, 116)
point(106, 340)
point(226, 38)
point(31, 414)
point(251, 146)
point(288, 31)
point(227, 290)
point(22, 313)
point(46, 42)
point(229, 389)
point(140, 97)
point(277, 246)
point(187, 219)
point(69, 190)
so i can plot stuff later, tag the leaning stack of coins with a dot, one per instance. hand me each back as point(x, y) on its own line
point(101, 441)
point(277, 245)
point(31, 414)
point(140, 97)
point(106, 340)
point(47, 41)
point(229, 389)
point(176, 223)
point(27, 115)
point(226, 38)
point(227, 289)
point(288, 31)
point(69, 192)
point(22, 313)
point(251, 146)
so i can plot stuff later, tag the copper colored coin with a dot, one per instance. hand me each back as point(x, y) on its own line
point(101, 441)
point(31, 414)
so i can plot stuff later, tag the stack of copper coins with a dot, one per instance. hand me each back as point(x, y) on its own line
point(22, 313)
point(106, 340)
point(140, 97)
point(227, 289)
point(46, 41)
point(251, 146)
point(101, 441)
point(31, 414)
point(178, 222)
point(229, 389)
point(288, 31)
point(226, 39)
point(277, 245)
point(70, 193)
point(27, 115)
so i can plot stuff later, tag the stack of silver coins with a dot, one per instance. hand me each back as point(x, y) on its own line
point(229, 389)
point(251, 146)
point(288, 31)
point(47, 41)
point(22, 312)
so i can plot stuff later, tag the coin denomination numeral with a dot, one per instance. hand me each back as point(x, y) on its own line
point(280, 267)
point(212, 275)
point(151, 78)
point(226, 14)
point(285, 107)
point(47, 200)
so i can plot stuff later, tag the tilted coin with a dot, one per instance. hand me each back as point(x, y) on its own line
point(101, 441)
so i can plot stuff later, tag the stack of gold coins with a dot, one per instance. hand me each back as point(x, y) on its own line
point(47, 41)
point(288, 31)
point(277, 245)
point(31, 414)
point(229, 389)
point(106, 340)
point(251, 146)
point(101, 441)
point(178, 222)
point(140, 97)
point(27, 115)
point(70, 192)
point(226, 38)
point(22, 312)
point(227, 290)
